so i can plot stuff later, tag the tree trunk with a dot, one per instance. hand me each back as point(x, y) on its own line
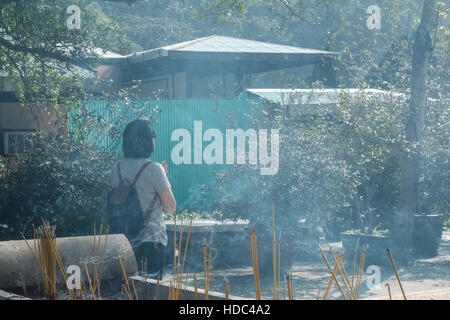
point(409, 196)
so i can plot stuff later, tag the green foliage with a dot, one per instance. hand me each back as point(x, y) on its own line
point(59, 181)
point(66, 177)
point(331, 165)
point(43, 56)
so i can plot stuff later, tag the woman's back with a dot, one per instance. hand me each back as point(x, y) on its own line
point(152, 181)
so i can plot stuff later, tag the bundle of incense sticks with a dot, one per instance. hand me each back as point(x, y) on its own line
point(290, 285)
point(48, 259)
point(351, 288)
point(99, 254)
point(255, 263)
point(48, 234)
point(179, 268)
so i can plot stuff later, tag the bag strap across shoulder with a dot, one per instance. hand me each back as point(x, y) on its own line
point(137, 175)
point(140, 171)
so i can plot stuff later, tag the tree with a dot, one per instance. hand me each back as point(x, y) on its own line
point(63, 179)
point(422, 50)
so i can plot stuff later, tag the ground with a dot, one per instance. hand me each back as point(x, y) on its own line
point(423, 279)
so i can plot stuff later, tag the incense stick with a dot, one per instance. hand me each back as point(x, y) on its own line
point(180, 278)
point(355, 254)
point(89, 280)
point(204, 268)
point(58, 258)
point(174, 244)
point(179, 251)
point(124, 275)
point(330, 282)
point(396, 273)
point(255, 264)
point(24, 285)
point(103, 260)
point(343, 274)
point(279, 260)
point(332, 274)
point(134, 289)
point(195, 288)
point(363, 256)
point(209, 265)
point(274, 254)
point(389, 290)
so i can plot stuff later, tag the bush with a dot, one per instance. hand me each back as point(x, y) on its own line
point(66, 186)
point(66, 178)
point(337, 170)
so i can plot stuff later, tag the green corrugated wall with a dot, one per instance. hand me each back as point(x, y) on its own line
point(193, 184)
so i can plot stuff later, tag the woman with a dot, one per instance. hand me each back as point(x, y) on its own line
point(153, 190)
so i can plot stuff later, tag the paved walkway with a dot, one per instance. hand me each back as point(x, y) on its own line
point(427, 279)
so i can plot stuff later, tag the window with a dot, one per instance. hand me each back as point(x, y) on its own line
point(16, 142)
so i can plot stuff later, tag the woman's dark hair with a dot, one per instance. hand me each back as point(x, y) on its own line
point(138, 139)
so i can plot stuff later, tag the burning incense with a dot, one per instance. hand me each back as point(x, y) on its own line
point(179, 251)
point(355, 254)
point(144, 271)
point(186, 247)
point(389, 290)
point(24, 285)
point(58, 258)
point(227, 287)
point(48, 259)
point(89, 280)
point(255, 264)
point(157, 290)
point(209, 266)
point(361, 268)
point(122, 266)
point(204, 268)
point(343, 274)
point(180, 275)
point(336, 266)
point(396, 273)
point(290, 286)
point(174, 245)
point(103, 260)
point(278, 280)
point(37, 266)
point(134, 289)
point(195, 288)
point(332, 274)
point(274, 253)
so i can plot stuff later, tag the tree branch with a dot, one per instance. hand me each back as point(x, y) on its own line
point(83, 63)
point(292, 11)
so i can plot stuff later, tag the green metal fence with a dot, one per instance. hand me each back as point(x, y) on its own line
point(194, 185)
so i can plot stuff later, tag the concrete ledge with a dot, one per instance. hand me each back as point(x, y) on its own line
point(4, 295)
point(155, 291)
